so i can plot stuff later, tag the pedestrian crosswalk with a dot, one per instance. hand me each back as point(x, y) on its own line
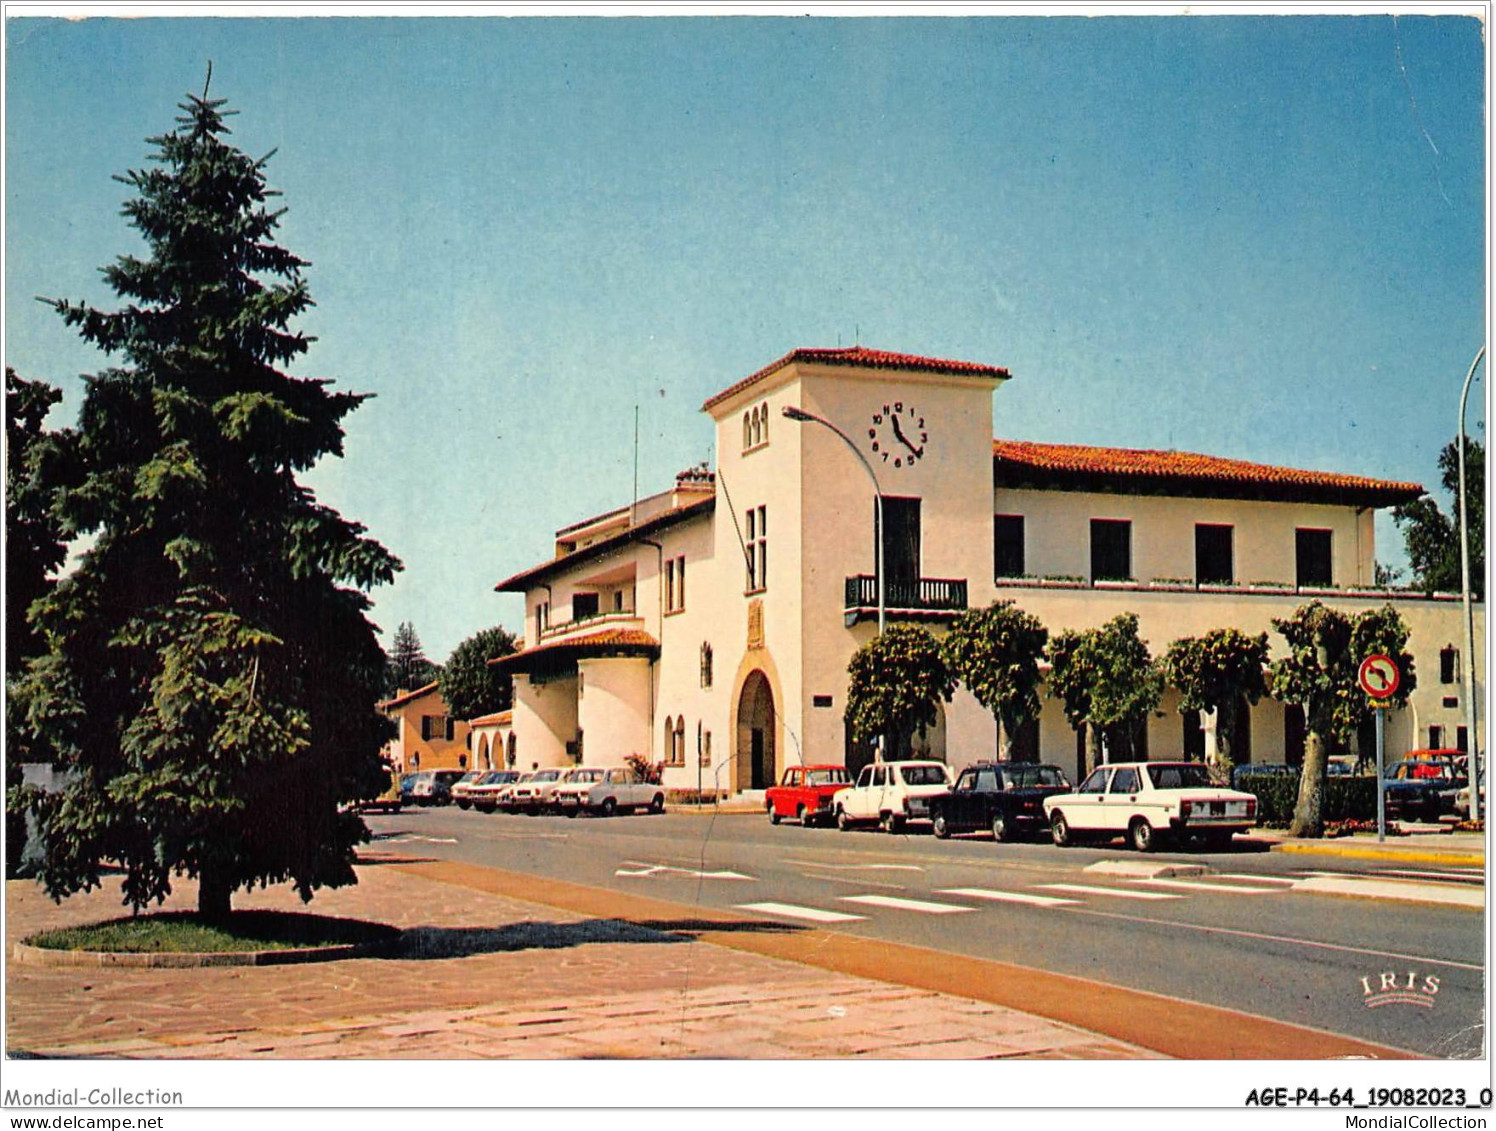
point(1454, 887)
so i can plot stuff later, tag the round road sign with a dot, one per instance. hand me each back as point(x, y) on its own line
point(1379, 676)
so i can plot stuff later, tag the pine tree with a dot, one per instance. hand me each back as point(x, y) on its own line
point(408, 668)
point(211, 674)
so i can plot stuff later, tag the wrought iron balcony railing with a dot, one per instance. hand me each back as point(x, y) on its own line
point(925, 598)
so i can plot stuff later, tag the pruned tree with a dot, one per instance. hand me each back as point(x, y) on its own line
point(1325, 651)
point(1107, 681)
point(1218, 672)
point(469, 686)
point(407, 667)
point(898, 681)
point(995, 652)
point(1432, 538)
point(210, 675)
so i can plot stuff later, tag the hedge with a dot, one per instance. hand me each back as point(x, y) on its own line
point(1346, 798)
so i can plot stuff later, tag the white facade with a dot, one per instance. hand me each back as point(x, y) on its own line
point(710, 627)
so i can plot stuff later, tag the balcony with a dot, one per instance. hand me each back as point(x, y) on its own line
point(928, 599)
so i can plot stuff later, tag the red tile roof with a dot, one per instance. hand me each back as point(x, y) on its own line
point(866, 359)
point(408, 696)
point(1077, 465)
point(498, 718)
point(624, 640)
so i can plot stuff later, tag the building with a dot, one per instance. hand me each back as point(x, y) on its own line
point(491, 739)
point(709, 627)
point(426, 737)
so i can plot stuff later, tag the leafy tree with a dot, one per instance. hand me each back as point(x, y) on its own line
point(1433, 539)
point(408, 668)
point(210, 674)
point(34, 550)
point(995, 652)
point(1325, 651)
point(898, 680)
point(1216, 672)
point(471, 688)
point(1107, 681)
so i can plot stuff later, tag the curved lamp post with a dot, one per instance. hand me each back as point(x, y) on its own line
point(800, 416)
point(1475, 805)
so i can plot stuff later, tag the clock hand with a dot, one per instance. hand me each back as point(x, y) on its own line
point(899, 432)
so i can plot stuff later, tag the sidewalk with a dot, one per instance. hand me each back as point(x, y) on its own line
point(1424, 844)
point(486, 976)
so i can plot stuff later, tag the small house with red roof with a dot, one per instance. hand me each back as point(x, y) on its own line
point(426, 736)
point(709, 627)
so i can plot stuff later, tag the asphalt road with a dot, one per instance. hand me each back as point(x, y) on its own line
point(1241, 937)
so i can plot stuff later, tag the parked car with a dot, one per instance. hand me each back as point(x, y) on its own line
point(407, 787)
point(461, 786)
point(1462, 799)
point(805, 793)
point(593, 789)
point(434, 787)
point(488, 794)
point(891, 793)
point(1006, 797)
point(1420, 790)
point(389, 801)
point(1150, 802)
point(536, 793)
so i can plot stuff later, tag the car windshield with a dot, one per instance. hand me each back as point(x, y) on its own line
point(1032, 777)
point(1175, 776)
point(827, 777)
point(547, 775)
point(923, 775)
point(586, 775)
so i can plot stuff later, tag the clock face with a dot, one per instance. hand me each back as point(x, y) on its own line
point(898, 435)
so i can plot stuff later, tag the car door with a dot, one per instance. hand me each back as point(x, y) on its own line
point(960, 804)
point(1088, 803)
point(860, 800)
point(1121, 800)
point(987, 800)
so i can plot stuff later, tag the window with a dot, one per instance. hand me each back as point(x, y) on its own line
point(706, 665)
point(436, 726)
point(680, 741)
point(747, 431)
point(1213, 554)
point(618, 600)
point(901, 547)
point(1436, 737)
point(704, 748)
point(583, 605)
point(1312, 551)
point(1007, 545)
point(986, 781)
point(1449, 664)
point(542, 618)
point(1462, 740)
point(968, 782)
point(1125, 781)
point(1096, 783)
point(758, 549)
point(764, 412)
point(675, 585)
point(1111, 549)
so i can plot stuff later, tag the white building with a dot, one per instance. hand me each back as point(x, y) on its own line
point(710, 626)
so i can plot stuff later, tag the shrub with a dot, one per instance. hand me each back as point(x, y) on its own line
point(646, 770)
point(1346, 798)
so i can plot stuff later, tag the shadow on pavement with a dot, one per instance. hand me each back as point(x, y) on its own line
point(460, 942)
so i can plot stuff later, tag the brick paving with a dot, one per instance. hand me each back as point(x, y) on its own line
point(484, 976)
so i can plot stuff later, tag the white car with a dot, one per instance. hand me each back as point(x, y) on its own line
point(488, 793)
point(891, 793)
point(1149, 802)
point(607, 791)
point(535, 793)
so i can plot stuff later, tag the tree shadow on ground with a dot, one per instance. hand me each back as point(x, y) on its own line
point(423, 943)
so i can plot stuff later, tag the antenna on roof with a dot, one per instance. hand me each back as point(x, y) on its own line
point(857, 341)
point(634, 501)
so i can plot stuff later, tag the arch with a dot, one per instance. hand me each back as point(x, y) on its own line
point(510, 753)
point(484, 759)
point(747, 431)
point(680, 740)
point(755, 762)
point(764, 439)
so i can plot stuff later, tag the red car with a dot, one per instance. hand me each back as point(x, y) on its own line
point(805, 793)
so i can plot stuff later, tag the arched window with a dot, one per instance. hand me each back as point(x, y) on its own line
point(680, 740)
point(747, 432)
point(764, 439)
point(706, 665)
point(669, 754)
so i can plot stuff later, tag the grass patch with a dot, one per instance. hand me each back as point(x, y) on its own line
point(182, 932)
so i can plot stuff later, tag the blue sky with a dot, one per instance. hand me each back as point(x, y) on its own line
point(1256, 237)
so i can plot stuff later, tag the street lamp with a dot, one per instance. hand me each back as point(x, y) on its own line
point(1475, 806)
point(800, 416)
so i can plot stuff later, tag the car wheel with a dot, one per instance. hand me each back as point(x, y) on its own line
point(609, 807)
point(1141, 833)
point(800, 815)
point(1002, 828)
point(464, 803)
point(573, 811)
point(1059, 829)
point(773, 814)
point(940, 827)
point(657, 803)
point(843, 821)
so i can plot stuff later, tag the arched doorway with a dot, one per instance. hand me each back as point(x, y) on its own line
point(483, 757)
point(755, 756)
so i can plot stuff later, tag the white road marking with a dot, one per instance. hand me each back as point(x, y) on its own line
point(1193, 885)
point(1286, 881)
point(1120, 893)
point(1176, 925)
point(897, 904)
point(1009, 896)
point(642, 868)
point(1454, 895)
point(1451, 877)
point(857, 867)
point(793, 911)
point(410, 838)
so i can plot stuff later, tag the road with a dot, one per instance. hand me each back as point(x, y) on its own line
point(1251, 934)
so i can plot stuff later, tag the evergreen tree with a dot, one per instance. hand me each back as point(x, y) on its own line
point(210, 675)
point(471, 688)
point(408, 668)
point(1433, 538)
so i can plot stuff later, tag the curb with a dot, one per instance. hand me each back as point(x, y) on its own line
point(29, 955)
point(1410, 855)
